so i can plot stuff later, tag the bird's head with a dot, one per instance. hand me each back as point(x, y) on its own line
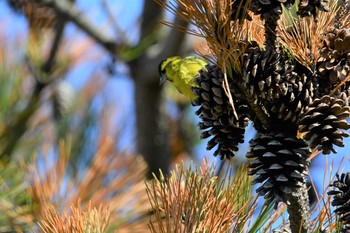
point(164, 67)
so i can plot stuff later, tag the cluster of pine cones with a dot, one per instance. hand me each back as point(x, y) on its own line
point(294, 109)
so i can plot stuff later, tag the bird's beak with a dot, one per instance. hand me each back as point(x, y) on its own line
point(162, 79)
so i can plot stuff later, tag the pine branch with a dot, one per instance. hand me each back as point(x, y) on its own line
point(49, 64)
point(299, 209)
point(73, 14)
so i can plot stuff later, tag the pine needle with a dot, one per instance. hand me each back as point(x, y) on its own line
point(125, 194)
point(213, 22)
point(304, 37)
point(91, 220)
point(193, 200)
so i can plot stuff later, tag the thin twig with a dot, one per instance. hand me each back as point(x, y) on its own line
point(347, 78)
point(117, 29)
point(47, 67)
point(72, 13)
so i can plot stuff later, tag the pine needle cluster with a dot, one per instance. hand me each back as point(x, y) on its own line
point(194, 199)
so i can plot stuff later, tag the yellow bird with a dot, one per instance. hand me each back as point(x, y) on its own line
point(182, 72)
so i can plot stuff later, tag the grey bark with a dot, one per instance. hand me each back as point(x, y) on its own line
point(299, 209)
point(152, 132)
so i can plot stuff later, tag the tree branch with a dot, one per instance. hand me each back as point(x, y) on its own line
point(48, 65)
point(72, 13)
point(117, 29)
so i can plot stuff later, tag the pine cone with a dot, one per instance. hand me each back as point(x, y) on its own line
point(309, 7)
point(271, 78)
point(341, 199)
point(324, 123)
point(334, 63)
point(218, 120)
point(279, 163)
point(266, 7)
point(260, 74)
point(290, 106)
point(344, 95)
point(267, 75)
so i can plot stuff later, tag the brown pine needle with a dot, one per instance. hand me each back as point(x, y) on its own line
point(340, 84)
point(227, 90)
point(55, 188)
point(78, 221)
point(214, 23)
point(194, 200)
point(303, 37)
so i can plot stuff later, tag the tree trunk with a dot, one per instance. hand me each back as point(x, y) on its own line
point(152, 137)
point(152, 133)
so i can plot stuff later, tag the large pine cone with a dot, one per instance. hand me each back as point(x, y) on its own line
point(309, 7)
point(270, 78)
point(341, 199)
point(292, 105)
point(216, 113)
point(333, 66)
point(334, 63)
point(279, 162)
point(324, 123)
point(262, 73)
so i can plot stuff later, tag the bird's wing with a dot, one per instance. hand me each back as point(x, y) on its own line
point(190, 68)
